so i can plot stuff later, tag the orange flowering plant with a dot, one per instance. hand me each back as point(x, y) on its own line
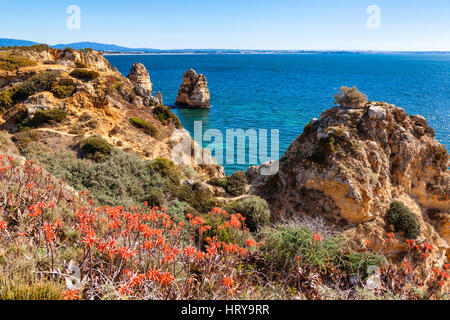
point(143, 253)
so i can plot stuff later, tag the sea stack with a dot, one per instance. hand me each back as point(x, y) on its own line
point(193, 92)
point(140, 77)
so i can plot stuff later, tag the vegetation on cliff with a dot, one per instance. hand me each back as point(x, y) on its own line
point(144, 228)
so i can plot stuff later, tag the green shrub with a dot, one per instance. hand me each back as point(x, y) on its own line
point(11, 62)
point(8, 98)
point(254, 209)
point(350, 98)
point(284, 243)
point(166, 116)
point(23, 139)
point(85, 74)
point(63, 89)
point(179, 209)
point(96, 148)
point(155, 197)
point(165, 168)
point(219, 182)
point(38, 83)
point(357, 263)
point(198, 196)
point(34, 48)
point(120, 179)
point(40, 118)
point(403, 220)
point(237, 183)
point(144, 125)
point(50, 116)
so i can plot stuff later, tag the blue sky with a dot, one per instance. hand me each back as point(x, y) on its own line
point(234, 24)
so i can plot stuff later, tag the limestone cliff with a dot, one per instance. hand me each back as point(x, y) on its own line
point(143, 87)
point(350, 164)
point(193, 92)
point(95, 100)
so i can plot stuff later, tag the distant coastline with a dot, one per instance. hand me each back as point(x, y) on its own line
point(106, 53)
point(112, 49)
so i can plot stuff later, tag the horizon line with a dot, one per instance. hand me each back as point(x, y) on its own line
point(232, 49)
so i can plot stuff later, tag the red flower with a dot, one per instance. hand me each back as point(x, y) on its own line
point(49, 232)
point(251, 243)
point(166, 279)
point(90, 239)
point(71, 295)
point(228, 283)
point(317, 237)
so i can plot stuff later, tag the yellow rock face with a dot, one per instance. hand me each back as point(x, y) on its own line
point(350, 164)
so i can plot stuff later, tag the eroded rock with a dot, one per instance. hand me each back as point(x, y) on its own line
point(193, 92)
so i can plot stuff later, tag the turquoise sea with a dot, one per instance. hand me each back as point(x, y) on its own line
point(285, 92)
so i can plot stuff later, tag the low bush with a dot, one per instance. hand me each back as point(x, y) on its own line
point(166, 116)
point(403, 220)
point(11, 62)
point(50, 116)
point(33, 48)
point(63, 89)
point(350, 98)
point(23, 139)
point(284, 243)
point(96, 148)
point(16, 288)
point(38, 83)
point(178, 210)
point(219, 182)
point(237, 183)
point(145, 126)
point(8, 98)
point(254, 209)
point(85, 74)
point(166, 168)
point(120, 179)
point(198, 196)
point(40, 118)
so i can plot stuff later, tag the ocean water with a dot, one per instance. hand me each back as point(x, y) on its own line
point(285, 92)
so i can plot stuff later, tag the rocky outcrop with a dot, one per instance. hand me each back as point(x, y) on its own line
point(159, 98)
point(102, 106)
point(68, 58)
point(143, 87)
point(193, 92)
point(39, 102)
point(140, 77)
point(350, 164)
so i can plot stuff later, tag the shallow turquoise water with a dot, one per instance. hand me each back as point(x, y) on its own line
point(285, 91)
